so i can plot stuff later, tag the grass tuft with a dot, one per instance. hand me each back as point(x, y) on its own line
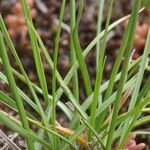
point(95, 123)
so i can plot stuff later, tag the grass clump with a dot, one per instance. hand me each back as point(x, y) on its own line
point(97, 123)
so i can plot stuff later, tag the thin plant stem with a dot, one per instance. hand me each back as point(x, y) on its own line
point(72, 49)
point(99, 26)
point(57, 40)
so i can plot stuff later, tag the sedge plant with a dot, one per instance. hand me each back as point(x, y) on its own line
point(96, 122)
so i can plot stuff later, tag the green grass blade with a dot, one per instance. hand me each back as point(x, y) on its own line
point(127, 127)
point(115, 70)
point(7, 100)
point(100, 67)
point(104, 86)
point(105, 105)
point(80, 58)
point(145, 89)
point(86, 51)
point(60, 104)
point(72, 49)
point(2, 25)
point(14, 89)
point(107, 102)
point(63, 83)
point(99, 26)
point(135, 110)
point(73, 58)
point(36, 53)
point(8, 40)
point(55, 59)
point(111, 99)
point(124, 116)
point(99, 36)
point(142, 121)
point(123, 76)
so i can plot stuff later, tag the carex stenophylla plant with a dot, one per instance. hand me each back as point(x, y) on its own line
point(96, 123)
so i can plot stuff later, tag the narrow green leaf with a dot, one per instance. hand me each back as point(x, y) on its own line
point(14, 89)
point(127, 126)
point(36, 53)
point(81, 61)
point(123, 75)
point(99, 26)
point(100, 68)
point(72, 49)
point(55, 59)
